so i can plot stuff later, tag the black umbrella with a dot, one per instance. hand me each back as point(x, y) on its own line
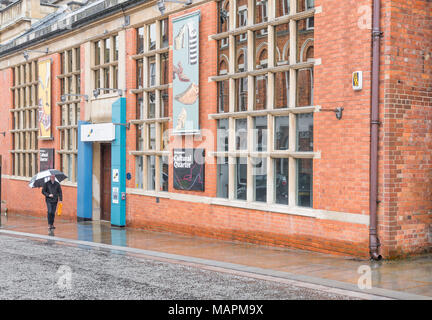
point(40, 178)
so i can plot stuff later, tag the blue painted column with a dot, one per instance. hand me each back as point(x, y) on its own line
point(84, 177)
point(118, 165)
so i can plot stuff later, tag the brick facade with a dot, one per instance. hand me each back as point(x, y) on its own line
point(342, 45)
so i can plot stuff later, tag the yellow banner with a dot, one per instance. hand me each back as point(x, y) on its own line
point(44, 96)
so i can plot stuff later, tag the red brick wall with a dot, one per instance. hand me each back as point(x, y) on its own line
point(341, 176)
point(19, 197)
point(247, 225)
point(405, 142)
point(6, 119)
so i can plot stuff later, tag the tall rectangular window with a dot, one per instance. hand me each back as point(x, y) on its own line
point(25, 120)
point(273, 92)
point(105, 67)
point(151, 154)
point(70, 112)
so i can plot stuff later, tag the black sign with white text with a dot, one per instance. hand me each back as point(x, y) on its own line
point(46, 159)
point(189, 167)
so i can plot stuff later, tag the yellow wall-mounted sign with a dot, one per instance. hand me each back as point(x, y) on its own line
point(44, 98)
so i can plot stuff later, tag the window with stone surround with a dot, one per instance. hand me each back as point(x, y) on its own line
point(105, 63)
point(70, 83)
point(265, 102)
point(152, 118)
point(24, 113)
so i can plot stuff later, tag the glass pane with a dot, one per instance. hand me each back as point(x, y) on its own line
point(62, 86)
point(304, 87)
point(78, 84)
point(305, 37)
point(140, 40)
point(281, 133)
point(165, 30)
point(261, 92)
point(241, 134)
point(116, 47)
point(241, 178)
point(107, 43)
point(305, 132)
point(152, 36)
point(261, 11)
point(242, 94)
point(69, 55)
point(151, 172)
point(152, 72)
point(140, 106)
point(70, 89)
point(281, 180)
point(62, 64)
point(78, 58)
point(222, 135)
point(223, 178)
point(97, 78)
point(106, 72)
point(223, 60)
point(140, 71)
point(223, 24)
point(165, 135)
point(223, 96)
point(151, 104)
point(115, 77)
point(164, 103)
point(304, 182)
point(259, 166)
point(97, 53)
point(139, 173)
point(242, 15)
point(152, 136)
point(260, 134)
point(241, 48)
point(164, 174)
point(164, 68)
point(282, 90)
point(282, 7)
point(283, 44)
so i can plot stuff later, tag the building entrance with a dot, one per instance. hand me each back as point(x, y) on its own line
point(105, 185)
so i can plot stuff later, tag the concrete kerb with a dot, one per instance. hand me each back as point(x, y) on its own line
point(327, 285)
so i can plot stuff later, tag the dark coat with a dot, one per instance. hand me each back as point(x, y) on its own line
point(54, 189)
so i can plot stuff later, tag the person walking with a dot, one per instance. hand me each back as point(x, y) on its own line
point(53, 193)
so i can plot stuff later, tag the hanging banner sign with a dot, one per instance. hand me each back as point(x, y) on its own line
point(189, 169)
point(186, 74)
point(44, 94)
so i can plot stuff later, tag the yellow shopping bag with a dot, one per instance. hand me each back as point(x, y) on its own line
point(60, 209)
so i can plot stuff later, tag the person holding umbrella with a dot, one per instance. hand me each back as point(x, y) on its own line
point(53, 193)
point(49, 180)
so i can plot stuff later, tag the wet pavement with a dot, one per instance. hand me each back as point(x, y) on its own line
point(48, 270)
point(409, 276)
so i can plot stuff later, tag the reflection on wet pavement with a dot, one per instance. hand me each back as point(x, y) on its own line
point(412, 275)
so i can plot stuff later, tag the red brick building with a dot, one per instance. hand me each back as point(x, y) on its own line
point(284, 164)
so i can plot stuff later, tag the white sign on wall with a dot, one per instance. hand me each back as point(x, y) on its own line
point(115, 195)
point(98, 132)
point(115, 175)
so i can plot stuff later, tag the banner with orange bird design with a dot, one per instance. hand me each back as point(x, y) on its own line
point(44, 98)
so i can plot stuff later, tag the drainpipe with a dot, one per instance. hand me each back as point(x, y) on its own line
point(374, 242)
